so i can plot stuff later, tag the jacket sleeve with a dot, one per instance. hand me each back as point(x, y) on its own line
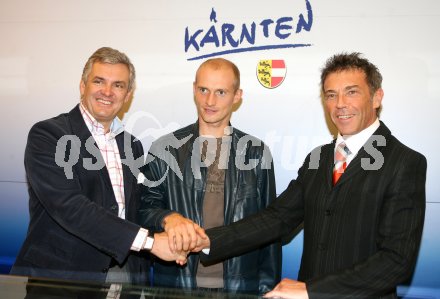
point(278, 220)
point(270, 257)
point(262, 228)
point(400, 230)
point(62, 197)
point(153, 206)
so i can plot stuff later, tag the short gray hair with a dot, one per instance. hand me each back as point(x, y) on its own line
point(111, 56)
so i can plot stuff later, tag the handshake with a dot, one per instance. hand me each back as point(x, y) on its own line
point(181, 237)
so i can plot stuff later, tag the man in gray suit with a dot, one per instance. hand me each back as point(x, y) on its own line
point(361, 199)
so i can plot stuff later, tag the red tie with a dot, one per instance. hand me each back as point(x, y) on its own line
point(341, 154)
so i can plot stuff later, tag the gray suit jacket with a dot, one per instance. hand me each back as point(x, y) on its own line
point(361, 236)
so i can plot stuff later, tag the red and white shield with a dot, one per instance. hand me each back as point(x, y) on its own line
point(271, 73)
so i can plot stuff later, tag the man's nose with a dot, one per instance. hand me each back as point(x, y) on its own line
point(107, 89)
point(341, 101)
point(210, 99)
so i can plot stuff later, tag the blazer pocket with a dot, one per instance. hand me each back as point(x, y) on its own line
point(51, 252)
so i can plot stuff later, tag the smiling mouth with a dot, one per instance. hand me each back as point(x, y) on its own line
point(345, 116)
point(102, 101)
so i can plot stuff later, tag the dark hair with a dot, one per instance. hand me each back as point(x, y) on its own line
point(348, 61)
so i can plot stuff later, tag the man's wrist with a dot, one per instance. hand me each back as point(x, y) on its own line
point(149, 241)
point(139, 240)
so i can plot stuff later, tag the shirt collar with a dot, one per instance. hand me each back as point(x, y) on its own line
point(96, 128)
point(355, 142)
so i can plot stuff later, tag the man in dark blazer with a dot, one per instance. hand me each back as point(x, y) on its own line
point(84, 193)
point(362, 231)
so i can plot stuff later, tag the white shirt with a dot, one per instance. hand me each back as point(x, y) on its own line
point(355, 142)
point(108, 147)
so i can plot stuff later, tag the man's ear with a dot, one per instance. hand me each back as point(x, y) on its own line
point(194, 88)
point(238, 95)
point(377, 98)
point(82, 87)
point(128, 96)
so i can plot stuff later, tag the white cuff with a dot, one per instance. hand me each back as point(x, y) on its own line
point(139, 240)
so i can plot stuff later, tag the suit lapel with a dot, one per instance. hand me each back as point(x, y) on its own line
point(353, 168)
point(328, 163)
point(128, 176)
point(356, 164)
point(80, 129)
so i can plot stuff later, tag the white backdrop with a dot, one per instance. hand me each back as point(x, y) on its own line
point(44, 45)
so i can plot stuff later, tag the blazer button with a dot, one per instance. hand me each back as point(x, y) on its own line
point(114, 207)
point(105, 270)
point(321, 246)
point(328, 212)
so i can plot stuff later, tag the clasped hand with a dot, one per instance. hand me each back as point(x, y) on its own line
point(181, 237)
